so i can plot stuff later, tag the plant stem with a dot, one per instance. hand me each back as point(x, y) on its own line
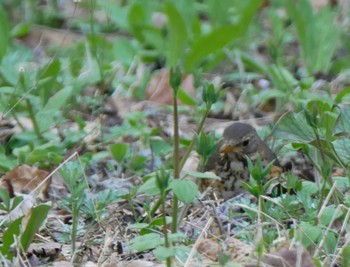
point(176, 162)
point(165, 230)
point(185, 157)
point(75, 212)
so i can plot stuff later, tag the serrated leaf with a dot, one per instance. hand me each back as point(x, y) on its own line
point(185, 190)
point(293, 127)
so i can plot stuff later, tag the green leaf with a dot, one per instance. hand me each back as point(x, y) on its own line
point(146, 242)
point(138, 226)
point(45, 116)
point(124, 50)
point(5, 32)
point(220, 37)
point(160, 147)
point(162, 253)
point(177, 35)
point(119, 151)
point(33, 222)
point(309, 188)
point(186, 98)
point(342, 124)
point(150, 187)
point(330, 213)
point(345, 256)
point(309, 234)
point(20, 30)
point(317, 34)
point(8, 237)
point(293, 127)
point(5, 198)
point(342, 148)
point(341, 182)
point(185, 190)
point(204, 175)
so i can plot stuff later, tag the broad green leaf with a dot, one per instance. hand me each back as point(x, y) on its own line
point(342, 124)
point(293, 127)
point(220, 37)
point(146, 242)
point(160, 147)
point(186, 98)
point(138, 226)
point(20, 30)
point(204, 175)
point(119, 151)
point(45, 116)
point(345, 256)
point(5, 32)
point(8, 237)
point(53, 69)
point(5, 198)
point(330, 213)
point(124, 50)
point(309, 188)
point(161, 253)
point(32, 222)
point(185, 190)
point(341, 182)
point(342, 148)
point(149, 187)
point(317, 34)
point(177, 35)
point(309, 234)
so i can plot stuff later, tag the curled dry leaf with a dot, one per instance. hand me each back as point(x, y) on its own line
point(25, 179)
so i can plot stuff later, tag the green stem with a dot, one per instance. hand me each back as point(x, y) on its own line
point(176, 162)
point(33, 119)
point(74, 230)
point(185, 157)
point(165, 230)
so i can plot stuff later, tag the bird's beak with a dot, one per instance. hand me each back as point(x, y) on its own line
point(227, 148)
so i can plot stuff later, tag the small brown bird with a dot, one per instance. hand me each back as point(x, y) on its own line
point(229, 162)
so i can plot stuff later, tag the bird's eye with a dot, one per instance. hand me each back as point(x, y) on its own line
point(245, 142)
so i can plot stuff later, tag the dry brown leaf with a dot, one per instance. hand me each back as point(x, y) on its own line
point(209, 248)
point(25, 179)
point(159, 90)
point(239, 252)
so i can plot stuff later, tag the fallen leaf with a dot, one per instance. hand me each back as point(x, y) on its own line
point(25, 179)
point(159, 90)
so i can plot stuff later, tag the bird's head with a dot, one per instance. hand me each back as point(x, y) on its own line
point(240, 138)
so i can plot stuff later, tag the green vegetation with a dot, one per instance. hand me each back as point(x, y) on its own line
point(83, 87)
